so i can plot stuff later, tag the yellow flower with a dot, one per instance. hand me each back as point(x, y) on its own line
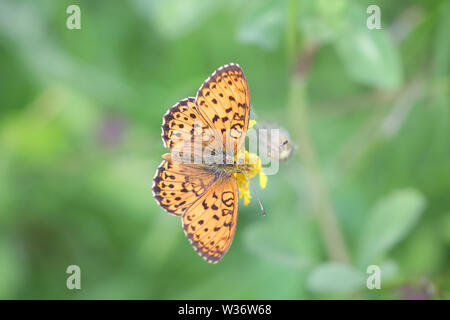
point(255, 168)
point(251, 123)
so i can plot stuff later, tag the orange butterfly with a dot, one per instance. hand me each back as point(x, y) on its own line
point(205, 193)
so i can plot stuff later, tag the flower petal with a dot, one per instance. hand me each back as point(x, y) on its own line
point(262, 179)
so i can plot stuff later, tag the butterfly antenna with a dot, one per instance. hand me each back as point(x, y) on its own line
point(253, 191)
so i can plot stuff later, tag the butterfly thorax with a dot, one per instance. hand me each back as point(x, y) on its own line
point(218, 165)
point(233, 168)
point(228, 162)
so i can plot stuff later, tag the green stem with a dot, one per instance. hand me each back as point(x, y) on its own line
point(328, 224)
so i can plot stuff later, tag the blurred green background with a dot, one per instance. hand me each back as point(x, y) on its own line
point(80, 118)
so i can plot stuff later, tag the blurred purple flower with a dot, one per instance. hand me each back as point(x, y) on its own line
point(111, 130)
point(422, 290)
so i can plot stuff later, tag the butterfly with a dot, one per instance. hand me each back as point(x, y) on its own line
point(205, 193)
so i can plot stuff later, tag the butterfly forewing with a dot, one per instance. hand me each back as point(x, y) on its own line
point(224, 101)
point(186, 132)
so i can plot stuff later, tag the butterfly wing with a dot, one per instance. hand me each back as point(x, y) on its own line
point(207, 202)
point(223, 100)
point(210, 222)
point(180, 123)
point(185, 131)
point(221, 108)
point(176, 186)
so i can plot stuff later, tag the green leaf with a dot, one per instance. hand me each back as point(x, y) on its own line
point(370, 56)
point(389, 222)
point(175, 18)
point(335, 278)
point(263, 24)
point(321, 21)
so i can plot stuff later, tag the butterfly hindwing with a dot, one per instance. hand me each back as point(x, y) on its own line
point(176, 186)
point(210, 222)
point(207, 203)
